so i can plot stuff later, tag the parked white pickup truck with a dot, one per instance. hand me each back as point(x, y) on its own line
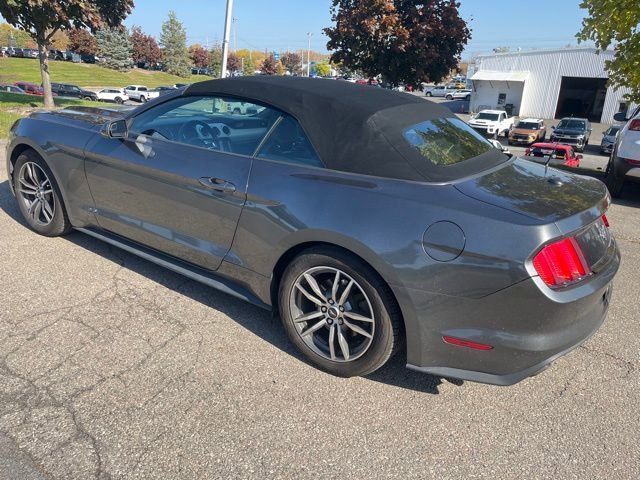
point(140, 93)
point(492, 123)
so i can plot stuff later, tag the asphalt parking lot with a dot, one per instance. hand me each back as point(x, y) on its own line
point(111, 367)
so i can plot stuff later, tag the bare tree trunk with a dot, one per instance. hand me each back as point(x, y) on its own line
point(44, 71)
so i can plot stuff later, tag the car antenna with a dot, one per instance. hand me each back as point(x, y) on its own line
point(546, 164)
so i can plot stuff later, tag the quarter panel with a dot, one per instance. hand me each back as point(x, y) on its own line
point(383, 221)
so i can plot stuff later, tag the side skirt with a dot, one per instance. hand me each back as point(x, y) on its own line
point(183, 268)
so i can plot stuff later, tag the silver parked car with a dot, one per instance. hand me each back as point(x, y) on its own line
point(609, 139)
point(441, 91)
point(372, 222)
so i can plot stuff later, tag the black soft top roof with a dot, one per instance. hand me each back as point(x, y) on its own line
point(354, 128)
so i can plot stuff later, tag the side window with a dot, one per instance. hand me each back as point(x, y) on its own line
point(206, 122)
point(288, 143)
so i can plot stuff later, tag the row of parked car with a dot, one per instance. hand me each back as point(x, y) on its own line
point(139, 93)
point(571, 131)
point(52, 54)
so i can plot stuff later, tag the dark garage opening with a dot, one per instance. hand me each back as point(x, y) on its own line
point(582, 97)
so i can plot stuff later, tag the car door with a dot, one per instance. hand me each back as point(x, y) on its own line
point(175, 183)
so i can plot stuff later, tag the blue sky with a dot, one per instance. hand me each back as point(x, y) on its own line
point(283, 24)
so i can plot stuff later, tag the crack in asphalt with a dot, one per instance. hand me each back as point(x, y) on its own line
point(34, 394)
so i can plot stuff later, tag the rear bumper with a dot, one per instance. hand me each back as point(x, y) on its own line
point(527, 326)
point(623, 169)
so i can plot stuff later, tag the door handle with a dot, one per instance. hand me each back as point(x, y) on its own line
point(217, 184)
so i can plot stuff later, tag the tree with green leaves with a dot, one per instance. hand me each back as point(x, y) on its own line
point(13, 37)
point(408, 41)
point(173, 40)
point(616, 22)
point(43, 18)
point(114, 47)
point(249, 67)
point(322, 69)
point(215, 60)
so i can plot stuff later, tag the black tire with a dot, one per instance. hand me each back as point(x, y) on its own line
point(614, 183)
point(449, 97)
point(428, 94)
point(60, 224)
point(118, 100)
point(143, 99)
point(388, 332)
point(468, 97)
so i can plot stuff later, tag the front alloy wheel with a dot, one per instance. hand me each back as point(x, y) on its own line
point(38, 196)
point(36, 193)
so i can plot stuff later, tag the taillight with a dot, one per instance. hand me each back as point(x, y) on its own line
point(635, 125)
point(561, 263)
point(632, 162)
point(605, 220)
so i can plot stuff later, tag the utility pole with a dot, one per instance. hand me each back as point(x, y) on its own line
point(225, 42)
point(234, 20)
point(309, 54)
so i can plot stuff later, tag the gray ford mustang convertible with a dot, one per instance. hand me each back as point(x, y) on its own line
point(370, 220)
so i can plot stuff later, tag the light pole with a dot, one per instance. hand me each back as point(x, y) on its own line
point(234, 20)
point(309, 54)
point(225, 42)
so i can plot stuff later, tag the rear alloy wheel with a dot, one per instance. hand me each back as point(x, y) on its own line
point(38, 196)
point(338, 314)
point(143, 99)
point(118, 100)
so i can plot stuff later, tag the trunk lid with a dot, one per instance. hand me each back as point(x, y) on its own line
point(574, 203)
point(545, 194)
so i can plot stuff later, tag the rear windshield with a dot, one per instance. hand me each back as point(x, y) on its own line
point(487, 116)
point(446, 141)
point(572, 124)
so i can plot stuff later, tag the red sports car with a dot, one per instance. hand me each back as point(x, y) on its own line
point(560, 154)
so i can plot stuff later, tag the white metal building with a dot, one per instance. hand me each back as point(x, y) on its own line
point(548, 84)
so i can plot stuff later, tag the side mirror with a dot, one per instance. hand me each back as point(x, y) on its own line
point(579, 157)
point(115, 129)
point(620, 117)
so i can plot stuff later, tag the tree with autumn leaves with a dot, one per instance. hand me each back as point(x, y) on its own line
point(409, 41)
point(43, 18)
point(82, 42)
point(144, 48)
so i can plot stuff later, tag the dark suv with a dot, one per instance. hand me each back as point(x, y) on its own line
point(572, 131)
point(66, 90)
